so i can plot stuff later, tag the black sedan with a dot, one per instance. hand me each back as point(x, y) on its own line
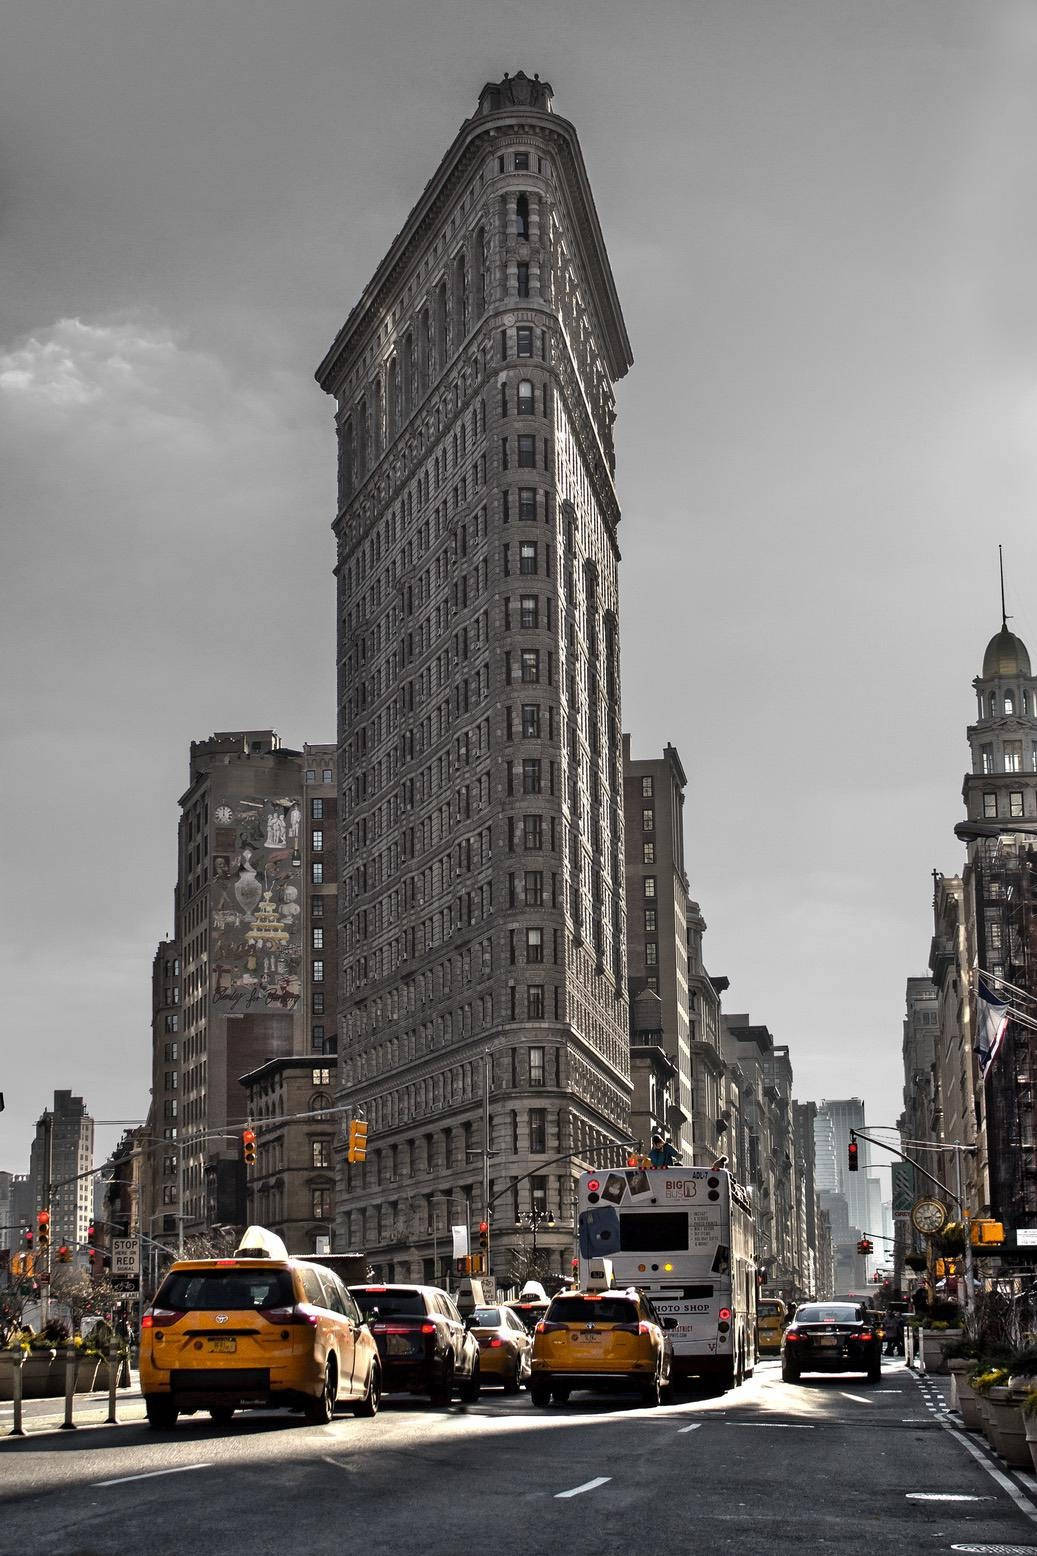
point(831, 1337)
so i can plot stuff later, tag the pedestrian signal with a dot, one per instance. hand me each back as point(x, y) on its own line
point(248, 1147)
point(356, 1146)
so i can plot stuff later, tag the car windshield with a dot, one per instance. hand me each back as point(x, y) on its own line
point(186, 1291)
point(829, 1313)
point(487, 1318)
point(390, 1304)
point(589, 1310)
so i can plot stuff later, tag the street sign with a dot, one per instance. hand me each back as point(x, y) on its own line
point(489, 1288)
point(1026, 1237)
point(323, 1245)
point(460, 1239)
point(125, 1260)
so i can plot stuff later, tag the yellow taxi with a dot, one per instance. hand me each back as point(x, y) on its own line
point(772, 1316)
point(505, 1346)
point(257, 1330)
point(611, 1339)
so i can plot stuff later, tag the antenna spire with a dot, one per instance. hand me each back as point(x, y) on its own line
point(1001, 565)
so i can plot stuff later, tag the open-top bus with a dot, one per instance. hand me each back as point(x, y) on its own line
point(686, 1236)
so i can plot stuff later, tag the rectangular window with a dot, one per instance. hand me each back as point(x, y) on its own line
point(327, 775)
point(321, 1076)
point(531, 779)
point(650, 920)
point(527, 502)
point(532, 832)
point(528, 557)
point(317, 873)
point(538, 1195)
point(646, 788)
point(1013, 756)
point(173, 1023)
point(523, 279)
point(528, 610)
point(649, 885)
point(538, 1131)
point(651, 954)
point(318, 939)
point(317, 1038)
point(311, 775)
point(522, 162)
point(535, 1002)
point(1015, 803)
point(316, 907)
point(318, 972)
point(322, 1204)
point(524, 340)
point(534, 888)
point(321, 1153)
point(530, 720)
point(536, 1066)
point(648, 820)
point(987, 758)
point(534, 944)
point(527, 451)
point(504, 453)
point(990, 805)
point(318, 1004)
point(648, 854)
point(530, 666)
point(317, 842)
point(316, 810)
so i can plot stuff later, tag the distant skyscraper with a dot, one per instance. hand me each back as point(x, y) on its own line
point(844, 1116)
point(479, 704)
point(60, 1161)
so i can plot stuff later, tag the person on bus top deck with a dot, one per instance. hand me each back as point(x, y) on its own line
point(662, 1153)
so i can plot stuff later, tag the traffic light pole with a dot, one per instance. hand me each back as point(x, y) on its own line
point(487, 1073)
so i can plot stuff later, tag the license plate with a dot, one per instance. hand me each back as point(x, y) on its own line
point(400, 1345)
point(589, 1339)
point(227, 1345)
point(827, 1340)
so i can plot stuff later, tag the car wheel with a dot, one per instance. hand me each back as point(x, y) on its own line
point(470, 1388)
point(789, 1374)
point(651, 1394)
point(540, 1393)
point(368, 1406)
point(442, 1391)
point(321, 1410)
point(162, 1413)
point(875, 1372)
point(560, 1393)
point(222, 1415)
point(514, 1383)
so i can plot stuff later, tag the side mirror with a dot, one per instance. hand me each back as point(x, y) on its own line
point(669, 1323)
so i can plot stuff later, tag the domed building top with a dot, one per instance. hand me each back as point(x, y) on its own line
point(1006, 655)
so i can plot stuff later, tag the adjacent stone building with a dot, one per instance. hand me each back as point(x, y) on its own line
point(298, 1136)
point(479, 696)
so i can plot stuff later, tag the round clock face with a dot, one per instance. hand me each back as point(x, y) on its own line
point(929, 1216)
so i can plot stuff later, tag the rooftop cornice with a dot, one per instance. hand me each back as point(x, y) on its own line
point(480, 131)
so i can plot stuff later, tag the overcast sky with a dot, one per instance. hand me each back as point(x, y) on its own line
point(821, 218)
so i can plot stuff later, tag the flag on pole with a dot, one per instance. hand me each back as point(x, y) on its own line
point(991, 1022)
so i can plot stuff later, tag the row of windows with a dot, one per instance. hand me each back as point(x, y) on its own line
point(1015, 804)
point(1012, 757)
point(326, 776)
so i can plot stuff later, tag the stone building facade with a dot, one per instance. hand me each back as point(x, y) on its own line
point(479, 694)
point(298, 1136)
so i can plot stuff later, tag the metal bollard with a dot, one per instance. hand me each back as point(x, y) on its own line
point(113, 1383)
point(71, 1368)
point(17, 1363)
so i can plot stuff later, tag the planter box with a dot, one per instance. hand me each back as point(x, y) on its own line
point(958, 1368)
point(43, 1375)
point(934, 1343)
point(968, 1404)
point(1031, 1439)
point(1008, 1428)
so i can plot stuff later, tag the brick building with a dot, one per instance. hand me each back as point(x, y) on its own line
point(479, 703)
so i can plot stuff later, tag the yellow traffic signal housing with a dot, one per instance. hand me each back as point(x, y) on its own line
point(248, 1147)
point(356, 1149)
point(986, 1232)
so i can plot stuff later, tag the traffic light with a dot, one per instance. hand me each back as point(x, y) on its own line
point(91, 1236)
point(248, 1147)
point(865, 1245)
point(43, 1230)
point(484, 1237)
point(27, 1235)
point(356, 1147)
point(852, 1152)
point(64, 1254)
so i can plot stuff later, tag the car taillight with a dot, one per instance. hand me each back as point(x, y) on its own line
point(302, 1313)
point(724, 1315)
point(158, 1318)
point(496, 1342)
point(545, 1328)
point(644, 1327)
point(277, 1315)
point(790, 1334)
point(866, 1334)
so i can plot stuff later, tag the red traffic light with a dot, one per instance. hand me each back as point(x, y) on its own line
point(91, 1234)
point(852, 1154)
point(28, 1238)
point(248, 1146)
point(484, 1226)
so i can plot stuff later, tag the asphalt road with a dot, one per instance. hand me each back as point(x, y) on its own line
point(831, 1464)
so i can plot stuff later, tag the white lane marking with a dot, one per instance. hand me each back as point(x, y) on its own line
point(1022, 1502)
point(889, 1391)
point(693, 1428)
point(337, 1463)
point(588, 1485)
point(860, 1398)
point(787, 1426)
point(178, 1469)
point(944, 1496)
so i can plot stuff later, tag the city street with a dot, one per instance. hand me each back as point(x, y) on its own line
point(829, 1464)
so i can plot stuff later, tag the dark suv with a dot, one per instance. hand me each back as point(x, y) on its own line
point(422, 1341)
point(832, 1337)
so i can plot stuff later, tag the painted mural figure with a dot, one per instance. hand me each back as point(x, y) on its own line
point(275, 830)
point(294, 819)
point(248, 889)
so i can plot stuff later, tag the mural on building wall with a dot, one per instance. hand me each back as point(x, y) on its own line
point(255, 952)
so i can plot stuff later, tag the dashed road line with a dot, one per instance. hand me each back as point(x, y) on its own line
point(178, 1469)
point(944, 1496)
point(588, 1485)
point(860, 1398)
point(940, 1415)
point(693, 1428)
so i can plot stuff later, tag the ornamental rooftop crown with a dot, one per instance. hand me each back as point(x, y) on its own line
point(516, 91)
point(1006, 655)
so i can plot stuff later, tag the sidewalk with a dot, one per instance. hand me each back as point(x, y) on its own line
point(89, 1409)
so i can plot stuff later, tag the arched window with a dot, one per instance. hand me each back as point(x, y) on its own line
point(319, 1101)
point(481, 287)
point(522, 216)
point(1009, 702)
point(526, 398)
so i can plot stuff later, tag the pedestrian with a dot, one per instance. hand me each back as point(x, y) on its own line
point(663, 1153)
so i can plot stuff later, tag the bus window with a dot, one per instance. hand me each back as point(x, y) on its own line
point(654, 1232)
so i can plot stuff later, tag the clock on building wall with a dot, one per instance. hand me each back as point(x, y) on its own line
point(929, 1216)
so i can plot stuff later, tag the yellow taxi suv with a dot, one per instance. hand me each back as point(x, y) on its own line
point(771, 1318)
point(255, 1331)
point(609, 1340)
point(504, 1346)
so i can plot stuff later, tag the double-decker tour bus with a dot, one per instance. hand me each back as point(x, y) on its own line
point(686, 1236)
